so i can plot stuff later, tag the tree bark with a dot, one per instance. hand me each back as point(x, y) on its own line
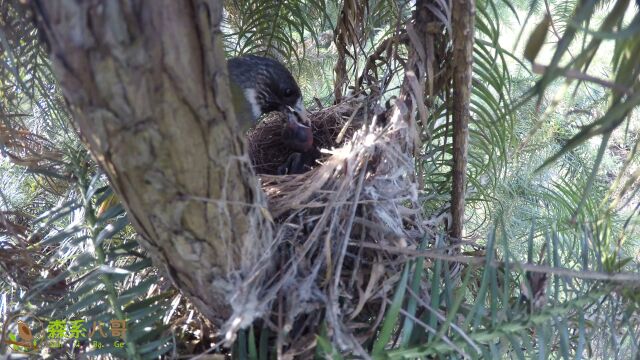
point(146, 83)
point(462, 19)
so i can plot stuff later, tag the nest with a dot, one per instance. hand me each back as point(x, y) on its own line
point(332, 260)
point(268, 152)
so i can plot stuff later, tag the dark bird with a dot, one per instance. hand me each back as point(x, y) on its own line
point(293, 165)
point(296, 136)
point(299, 163)
point(260, 85)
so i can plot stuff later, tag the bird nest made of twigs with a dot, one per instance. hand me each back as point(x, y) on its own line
point(268, 151)
point(332, 259)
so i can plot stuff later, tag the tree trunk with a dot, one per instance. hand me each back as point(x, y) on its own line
point(147, 86)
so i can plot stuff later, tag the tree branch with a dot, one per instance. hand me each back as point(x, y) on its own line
point(463, 15)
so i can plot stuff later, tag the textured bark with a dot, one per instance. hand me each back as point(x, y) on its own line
point(463, 16)
point(147, 85)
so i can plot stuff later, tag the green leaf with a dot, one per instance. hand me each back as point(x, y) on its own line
point(391, 317)
point(111, 229)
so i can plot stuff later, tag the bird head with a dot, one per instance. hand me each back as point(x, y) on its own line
point(267, 86)
point(297, 135)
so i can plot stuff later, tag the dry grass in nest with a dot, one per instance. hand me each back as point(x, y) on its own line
point(327, 259)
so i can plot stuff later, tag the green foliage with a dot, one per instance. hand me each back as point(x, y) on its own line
point(478, 316)
point(101, 274)
point(70, 255)
point(277, 29)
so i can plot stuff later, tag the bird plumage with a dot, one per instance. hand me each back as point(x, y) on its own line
point(260, 85)
point(265, 83)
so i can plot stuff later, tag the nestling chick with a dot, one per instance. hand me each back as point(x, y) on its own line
point(295, 135)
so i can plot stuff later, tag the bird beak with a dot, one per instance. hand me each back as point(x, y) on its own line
point(301, 112)
point(297, 118)
point(296, 135)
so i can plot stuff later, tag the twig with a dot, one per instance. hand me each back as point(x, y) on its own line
point(318, 103)
point(347, 125)
point(475, 260)
point(576, 74)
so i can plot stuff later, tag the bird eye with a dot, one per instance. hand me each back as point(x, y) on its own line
point(288, 92)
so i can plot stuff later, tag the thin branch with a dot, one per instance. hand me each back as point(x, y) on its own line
point(628, 277)
point(576, 74)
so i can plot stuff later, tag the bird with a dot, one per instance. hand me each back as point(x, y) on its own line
point(260, 85)
point(293, 165)
point(299, 163)
point(295, 135)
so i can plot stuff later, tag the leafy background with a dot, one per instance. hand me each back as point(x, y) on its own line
point(553, 184)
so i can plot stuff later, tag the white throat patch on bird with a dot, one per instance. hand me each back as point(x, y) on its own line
point(267, 85)
point(252, 98)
